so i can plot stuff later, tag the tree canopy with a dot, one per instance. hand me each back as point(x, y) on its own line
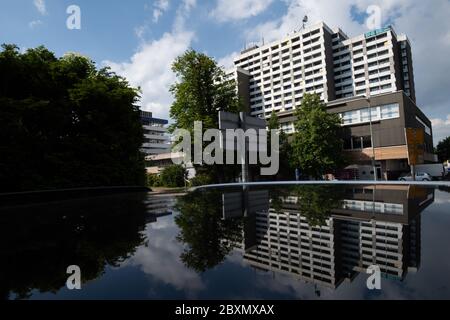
point(64, 123)
point(317, 144)
point(443, 149)
point(201, 91)
point(287, 169)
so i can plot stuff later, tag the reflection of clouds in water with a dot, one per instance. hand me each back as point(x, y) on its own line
point(428, 285)
point(299, 289)
point(289, 285)
point(235, 257)
point(442, 197)
point(160, 259)
point(430, 282)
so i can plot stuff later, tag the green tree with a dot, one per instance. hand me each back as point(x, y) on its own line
point(317, 144)
point(273, 123)
point(64, 123)
point(443, 149)
point(200, 93)
point(286, 169)
point(173, 176)
point(207, 238)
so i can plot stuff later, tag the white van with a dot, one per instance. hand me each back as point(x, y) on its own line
point(436, 170)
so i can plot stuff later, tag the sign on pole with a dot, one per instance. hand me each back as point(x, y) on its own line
point(244, 142)
point(415, 141)
point(228, 120)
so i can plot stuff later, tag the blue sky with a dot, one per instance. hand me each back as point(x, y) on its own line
point(109, 27)
point(140, 38)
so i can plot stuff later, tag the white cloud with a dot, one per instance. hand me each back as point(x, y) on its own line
point(150, 68)
point(334, 13)
point(441, 129)
point(140, 31)
point(33, 24)
point(159, 7)
point(227, 10)
point(189, 5)
point(426, 25)
point(157, 13)
point(227, 62)
point(40, 6)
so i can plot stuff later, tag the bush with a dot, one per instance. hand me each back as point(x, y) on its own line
point(153, 180)
point(173, 176)
point(201, 180)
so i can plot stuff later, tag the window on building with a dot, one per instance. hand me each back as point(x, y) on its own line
point(390, 111)
point(367, 142)
point(385, 112)
point(427, 128)
point(365, 116)
point(351, 117)
point(356, 143)
point(361, 92)
point(347, 144)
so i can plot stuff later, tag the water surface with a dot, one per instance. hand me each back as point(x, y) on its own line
point(298, 242)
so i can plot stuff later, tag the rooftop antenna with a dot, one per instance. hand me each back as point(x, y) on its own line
point(305, 20)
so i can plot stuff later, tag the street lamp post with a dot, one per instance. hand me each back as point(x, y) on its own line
point(372, 141)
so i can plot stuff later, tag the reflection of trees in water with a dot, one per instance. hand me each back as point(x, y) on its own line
point(208, 238)
point(315, 202)
point(39, 243)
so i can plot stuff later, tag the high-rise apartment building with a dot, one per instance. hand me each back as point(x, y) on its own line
point(367, 79)
point(327, 62)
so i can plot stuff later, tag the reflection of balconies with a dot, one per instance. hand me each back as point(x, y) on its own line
point(154, 128)
point(374, 225)
point(163, 146)
point(156, 137)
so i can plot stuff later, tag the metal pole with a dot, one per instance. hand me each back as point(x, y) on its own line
point(372, 142)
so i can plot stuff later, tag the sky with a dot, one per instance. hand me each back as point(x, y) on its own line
point(139, 39)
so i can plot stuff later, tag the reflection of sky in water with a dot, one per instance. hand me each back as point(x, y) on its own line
point(160, 258)
point(155, 271)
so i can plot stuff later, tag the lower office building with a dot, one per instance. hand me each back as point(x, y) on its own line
point(390, 114)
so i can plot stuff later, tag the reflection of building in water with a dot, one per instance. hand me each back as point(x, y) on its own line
point(290, 245)
point(159, 206)
point(374, 226)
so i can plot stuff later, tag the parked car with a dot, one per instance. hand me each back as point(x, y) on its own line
point(435, 170)
point(420, 176)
